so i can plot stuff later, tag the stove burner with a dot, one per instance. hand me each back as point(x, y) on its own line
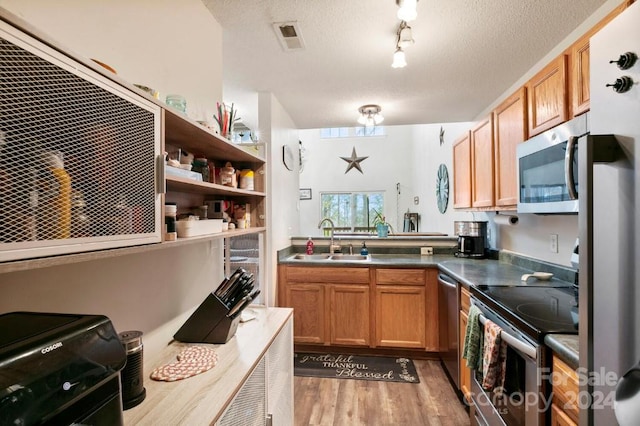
point(536, 311)
point(544, 313)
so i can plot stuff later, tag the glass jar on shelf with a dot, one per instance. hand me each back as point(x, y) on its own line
point(201, 165)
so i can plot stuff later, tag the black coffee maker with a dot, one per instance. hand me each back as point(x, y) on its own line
point(472, 239)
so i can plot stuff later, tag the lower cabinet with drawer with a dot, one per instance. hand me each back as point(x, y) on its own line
point(465, 372)
point(406, 308)
point(331, 306)
point(564, 411)
point(362, 306)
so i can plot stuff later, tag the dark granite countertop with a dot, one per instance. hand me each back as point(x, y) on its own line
point(565, 346)
point(486, 272)
point(471, 273)
point(388, 260)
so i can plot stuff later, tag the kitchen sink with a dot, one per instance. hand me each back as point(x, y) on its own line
point(311, 256)
point(338, 257)
point(349, 257)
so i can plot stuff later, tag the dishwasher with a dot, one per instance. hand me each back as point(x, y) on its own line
point(448, 317)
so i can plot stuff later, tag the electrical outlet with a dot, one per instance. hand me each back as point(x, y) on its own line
point(426, 251)
point(416, 200)
point(553, 243)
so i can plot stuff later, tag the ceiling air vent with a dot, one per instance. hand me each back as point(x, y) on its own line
point(289, 35)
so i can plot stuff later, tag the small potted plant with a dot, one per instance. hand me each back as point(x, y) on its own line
point(382, 226)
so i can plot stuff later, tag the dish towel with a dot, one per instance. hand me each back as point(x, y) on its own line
point(472, 350)
point(494, 357)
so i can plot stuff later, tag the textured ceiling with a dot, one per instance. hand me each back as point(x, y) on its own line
point(466, 54)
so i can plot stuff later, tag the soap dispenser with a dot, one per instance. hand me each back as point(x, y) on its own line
point(309, 246)
point(364, 250)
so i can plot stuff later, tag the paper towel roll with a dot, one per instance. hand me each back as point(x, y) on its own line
point(505, 220)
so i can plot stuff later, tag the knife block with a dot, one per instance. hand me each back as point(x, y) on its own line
point(208, 323)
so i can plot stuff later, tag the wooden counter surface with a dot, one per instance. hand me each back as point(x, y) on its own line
point(202, 399)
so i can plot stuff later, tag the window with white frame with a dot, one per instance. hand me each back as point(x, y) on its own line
point(351, 132)
point(351, 211)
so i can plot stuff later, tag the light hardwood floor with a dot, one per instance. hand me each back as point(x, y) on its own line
point(335, 402)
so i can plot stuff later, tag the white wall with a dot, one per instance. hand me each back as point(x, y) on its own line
point(173, 46)
point(407, 155)
point(276, 130)
point(428, 154)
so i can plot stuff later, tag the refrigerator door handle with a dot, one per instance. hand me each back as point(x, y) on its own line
point(569, 156)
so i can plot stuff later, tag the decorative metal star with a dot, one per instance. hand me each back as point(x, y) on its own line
point(354, 161)
point(441, 136)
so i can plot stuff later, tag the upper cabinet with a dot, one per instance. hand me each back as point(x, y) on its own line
point(82, 161)
point(462, 172)
point(78, 156)
point(548, 97)
point(484, 159)
point(579, 64)
point(482, 164)
point(510, 129)
point(579, 59)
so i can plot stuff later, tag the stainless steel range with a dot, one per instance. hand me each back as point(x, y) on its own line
point(525, 314)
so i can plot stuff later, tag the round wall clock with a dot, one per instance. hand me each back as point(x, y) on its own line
point(287, 157)
point(442, 188)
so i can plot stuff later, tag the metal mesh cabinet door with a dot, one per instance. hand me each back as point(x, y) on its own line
point(249, 407)
point(77, 155)
point(280, 377)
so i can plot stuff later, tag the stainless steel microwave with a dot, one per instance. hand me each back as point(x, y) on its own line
point(548, 169)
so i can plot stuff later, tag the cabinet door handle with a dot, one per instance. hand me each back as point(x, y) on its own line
point(161, 184)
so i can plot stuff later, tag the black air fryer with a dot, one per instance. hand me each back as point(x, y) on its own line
point(59, 369)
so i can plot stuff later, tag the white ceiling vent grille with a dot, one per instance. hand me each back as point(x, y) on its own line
point(289, 35)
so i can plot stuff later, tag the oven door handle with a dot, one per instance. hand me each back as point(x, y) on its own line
point(514, 342)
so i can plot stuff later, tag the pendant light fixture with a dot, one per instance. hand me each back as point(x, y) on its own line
point(404, 39)
point(407, 10)
point(399, 60)
point(370, 115)
point(405, 36)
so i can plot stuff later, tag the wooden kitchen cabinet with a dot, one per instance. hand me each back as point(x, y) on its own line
point(482, 164)
point(462, 172)
point(331, 305)
point(465, 372)
point(579, 64)
point(368, 307)
point(400, 315)
point(547, 96)
point(406, 308)
point(349, 315)
point(565, 393)
point(510, 129)
point(307, 301)
point(560, 418)
point(579, 77)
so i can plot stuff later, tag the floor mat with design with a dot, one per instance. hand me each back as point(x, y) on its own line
point(355, 367)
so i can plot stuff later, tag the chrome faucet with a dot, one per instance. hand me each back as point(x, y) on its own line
point(333, 248)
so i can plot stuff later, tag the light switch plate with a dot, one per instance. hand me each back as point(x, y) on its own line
point(426, 251)
point(553, 243)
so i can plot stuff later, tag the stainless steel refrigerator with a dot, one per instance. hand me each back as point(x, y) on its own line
point(609, 220)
